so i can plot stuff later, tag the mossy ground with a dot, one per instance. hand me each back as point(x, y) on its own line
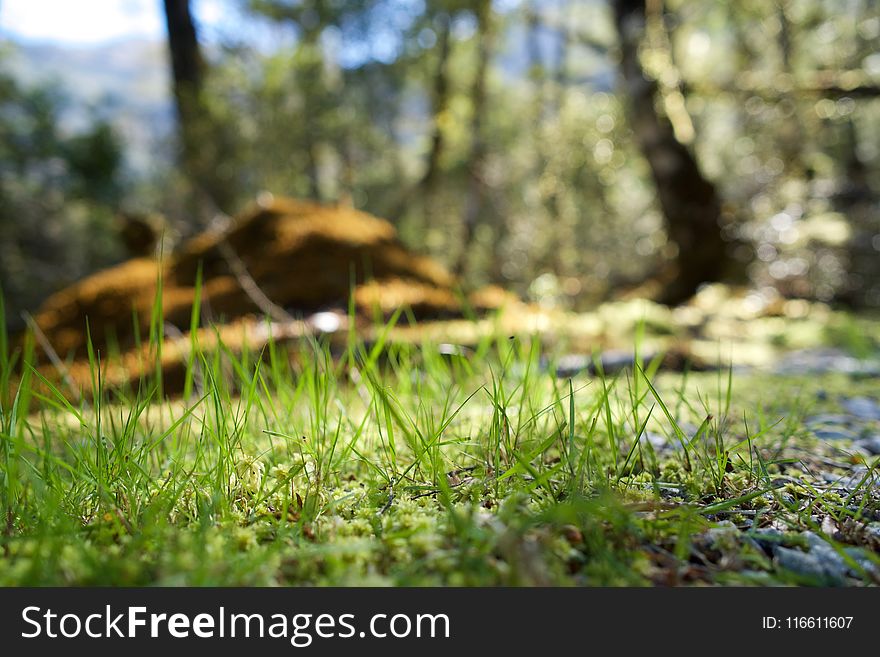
point(413, 464)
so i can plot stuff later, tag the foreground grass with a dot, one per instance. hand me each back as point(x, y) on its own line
point(388, 464)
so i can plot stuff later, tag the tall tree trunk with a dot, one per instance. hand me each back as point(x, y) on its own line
point(475, 203)
point(690, 203)
point(187, 64)
point(203, 146)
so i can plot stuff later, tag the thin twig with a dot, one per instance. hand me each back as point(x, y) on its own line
point(56, 361)
point(249, 285)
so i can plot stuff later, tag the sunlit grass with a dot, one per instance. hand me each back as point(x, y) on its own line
point(398, 463)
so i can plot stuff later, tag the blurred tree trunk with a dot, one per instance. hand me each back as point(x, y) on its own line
point(690, 203)
point(186, 57)
point(475, 202)
point(792, 136)
point(441, 106)
point(312, 88)
point(203, 146)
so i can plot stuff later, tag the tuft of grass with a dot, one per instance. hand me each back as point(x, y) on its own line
point(404, 464)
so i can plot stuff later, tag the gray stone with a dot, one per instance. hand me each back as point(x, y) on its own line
point(571, 365)
point(768, 538)
point(849, 482)
point(810, 565)
point(615, 360)
point(871, 444)
point(862, 407)
point(819, 361)
point(828, 433)
point(831, 559)
point(611, 361)
point(825, 419)
point(860, 556)
point(814, 541)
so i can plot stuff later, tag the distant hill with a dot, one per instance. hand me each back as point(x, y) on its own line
point(124, 80)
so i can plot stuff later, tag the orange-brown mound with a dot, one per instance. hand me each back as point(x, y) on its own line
point(302, 256)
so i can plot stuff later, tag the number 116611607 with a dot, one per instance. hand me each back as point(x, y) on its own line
point(807, 622)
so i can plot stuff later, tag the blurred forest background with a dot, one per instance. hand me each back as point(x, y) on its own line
point(565, 149)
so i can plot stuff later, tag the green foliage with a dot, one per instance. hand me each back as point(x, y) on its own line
point(58, 192)
point(778, 100)
point(348, 110)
